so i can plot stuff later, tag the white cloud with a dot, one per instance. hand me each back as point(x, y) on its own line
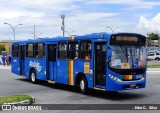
point(44, 14)
point(89, 22)
point(134, 4)
point(113, 1)
point(145, 25)
point(20, 14)
point(81, 16)
point(32, 7)
point(92, 16)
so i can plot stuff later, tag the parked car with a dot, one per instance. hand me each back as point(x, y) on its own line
point(154, 56)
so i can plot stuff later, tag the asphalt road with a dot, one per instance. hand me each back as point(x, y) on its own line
point(45, 93)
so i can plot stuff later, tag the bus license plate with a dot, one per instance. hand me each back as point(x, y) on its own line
point(133, 85)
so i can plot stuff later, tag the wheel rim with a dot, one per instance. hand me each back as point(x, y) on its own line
point(82, 85)
point(33, 77)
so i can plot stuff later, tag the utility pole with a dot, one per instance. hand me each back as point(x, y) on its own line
point(112, 29)
point(34, 33)
point(63, 27)
point(13, 28)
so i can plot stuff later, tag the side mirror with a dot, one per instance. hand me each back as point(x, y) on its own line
point(109, 53)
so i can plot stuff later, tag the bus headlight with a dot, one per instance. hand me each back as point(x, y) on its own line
point(115, 78)
point(139, 76)
point(143, 78)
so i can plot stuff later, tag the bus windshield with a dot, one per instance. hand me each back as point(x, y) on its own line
point(128, 57)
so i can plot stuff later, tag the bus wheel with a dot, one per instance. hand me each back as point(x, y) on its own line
point(83, 85)
point(33, 77)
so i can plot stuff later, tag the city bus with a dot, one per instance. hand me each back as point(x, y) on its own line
point(101, 61)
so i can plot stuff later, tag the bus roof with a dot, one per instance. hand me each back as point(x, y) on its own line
point(82, 37)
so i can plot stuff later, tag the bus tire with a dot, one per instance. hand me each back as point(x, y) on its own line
point(83, 85)
point(33, 77)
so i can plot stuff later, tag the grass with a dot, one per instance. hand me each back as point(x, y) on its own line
point(153, 66)
point(14, 98)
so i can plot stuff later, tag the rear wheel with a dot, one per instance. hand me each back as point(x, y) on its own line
point(33, 77)
point(83, 85)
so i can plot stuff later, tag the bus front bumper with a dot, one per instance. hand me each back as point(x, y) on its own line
point(113, 85)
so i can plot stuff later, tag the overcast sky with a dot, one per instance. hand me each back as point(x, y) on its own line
point(82, 17)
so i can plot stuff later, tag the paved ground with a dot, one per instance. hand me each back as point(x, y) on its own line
point(5, 67)
point(153, 62)
point(59, 94)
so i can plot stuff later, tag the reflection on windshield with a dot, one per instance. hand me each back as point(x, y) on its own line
point(128, 57)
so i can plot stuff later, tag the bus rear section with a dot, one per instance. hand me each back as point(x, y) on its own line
point(127, 65)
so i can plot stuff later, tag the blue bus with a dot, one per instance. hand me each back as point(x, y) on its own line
point(109, 62)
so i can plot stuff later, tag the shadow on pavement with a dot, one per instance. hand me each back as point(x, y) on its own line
point(116, 96)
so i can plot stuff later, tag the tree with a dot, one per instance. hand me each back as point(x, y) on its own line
point(149, 42)
point(2, 48)
point(153, 36)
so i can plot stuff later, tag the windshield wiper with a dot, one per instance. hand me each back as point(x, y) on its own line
point(124, 52)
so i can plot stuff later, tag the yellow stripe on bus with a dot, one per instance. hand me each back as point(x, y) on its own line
point(71, 38)
point(130, 77)
point(70, 74)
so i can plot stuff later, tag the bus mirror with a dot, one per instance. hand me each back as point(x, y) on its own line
point(109, 54)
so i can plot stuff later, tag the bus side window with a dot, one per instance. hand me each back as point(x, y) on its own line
point(15, 50)
point(85, 50)
point(62, 50)
point(73, 50)
point(39, 50)
point(30, 50)
point(52, 53)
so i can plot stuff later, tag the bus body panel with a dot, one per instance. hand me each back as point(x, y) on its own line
point(113, 85)
point(15, 66)
point(85, 67)
point(62, 71)
point(39, 65)
point(116, 86)
point(23, 69)
point(52, 73)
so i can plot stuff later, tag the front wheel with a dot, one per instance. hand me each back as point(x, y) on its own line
point(83, 85)
point(33, 77)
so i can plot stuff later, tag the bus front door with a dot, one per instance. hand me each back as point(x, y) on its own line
point(100, 65)
point(22, 60)
point(51, 62)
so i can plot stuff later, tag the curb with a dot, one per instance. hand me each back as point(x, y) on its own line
point(25, 102)
point(153, 71)
point(5, 67)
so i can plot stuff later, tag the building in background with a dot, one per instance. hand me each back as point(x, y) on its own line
point(6, 44)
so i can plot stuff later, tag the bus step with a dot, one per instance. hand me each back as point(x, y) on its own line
point(51, 82)
point(99, 89)
point(22, 76)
